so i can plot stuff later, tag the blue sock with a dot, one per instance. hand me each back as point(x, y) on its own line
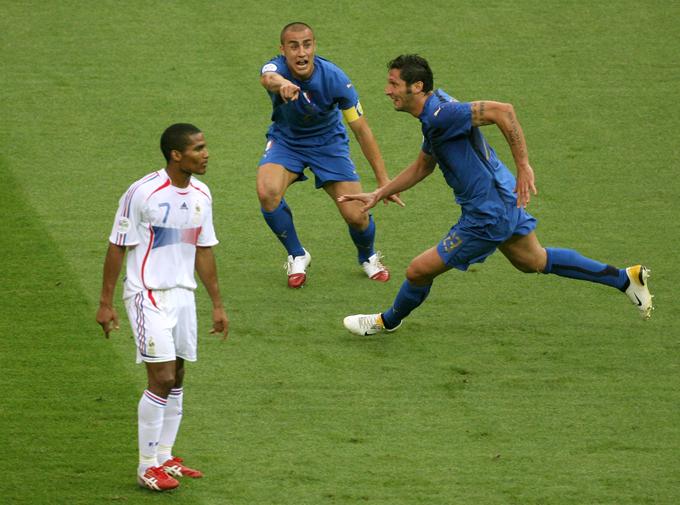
point(364, 240)
point(280, 220)
point(569, 263)
point(409, 298)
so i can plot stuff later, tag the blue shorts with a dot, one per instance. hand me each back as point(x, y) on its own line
point(468, 243)
point(329, 162)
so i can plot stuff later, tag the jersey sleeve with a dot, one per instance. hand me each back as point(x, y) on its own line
point(453, 119)
point(128, 217)
point(343, 90)
point(426, 147)
point(207, 237)
point(274, 65)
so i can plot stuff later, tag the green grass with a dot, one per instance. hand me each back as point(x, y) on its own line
point(502, 389)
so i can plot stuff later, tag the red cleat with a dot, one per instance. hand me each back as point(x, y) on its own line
point(175, 468)
point(375, 270)
point(156, 479)
point(382, 276)
point(296, 268)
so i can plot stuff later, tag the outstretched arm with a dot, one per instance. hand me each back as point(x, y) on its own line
point(207, 272)
point(503, 115)
point(408, 178)
point(276, 83)
point(107, 317)
point(369, 146)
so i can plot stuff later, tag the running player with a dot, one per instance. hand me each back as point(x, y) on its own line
point(310, 97)
point(492, 201)
point(164, 221)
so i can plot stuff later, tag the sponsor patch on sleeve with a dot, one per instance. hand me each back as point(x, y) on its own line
point(269, 67)
point(123, 225)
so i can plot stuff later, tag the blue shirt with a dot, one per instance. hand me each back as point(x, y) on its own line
point(482, 185)
point(313, 119)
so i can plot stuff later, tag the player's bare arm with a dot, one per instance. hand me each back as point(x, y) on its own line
point(503, 115)
point(276, 83)
point(409, 177)
point(107, 317)
point(207, 272)
point(369, 146)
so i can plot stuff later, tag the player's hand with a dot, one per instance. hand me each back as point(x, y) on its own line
point(368, 199)
point(395, 198)
point(220, 323)
point(289, 91)
point(107, 317)
point(525, 185)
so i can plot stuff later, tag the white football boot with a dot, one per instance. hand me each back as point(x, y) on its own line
point(638, 292)
point(366, 324)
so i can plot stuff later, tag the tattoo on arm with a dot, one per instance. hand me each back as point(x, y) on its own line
point(478, 118)
point(513, 132)
point(514, 135)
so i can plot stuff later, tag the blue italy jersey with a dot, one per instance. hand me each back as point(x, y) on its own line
point(483, 186)
point(314, 119)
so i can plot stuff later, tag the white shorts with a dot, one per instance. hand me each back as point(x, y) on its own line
point(164, 324)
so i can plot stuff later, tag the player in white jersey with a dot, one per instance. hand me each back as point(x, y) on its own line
point(164, 221)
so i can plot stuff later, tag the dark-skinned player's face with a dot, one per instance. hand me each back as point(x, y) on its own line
point(194, 158)
point(298, 48)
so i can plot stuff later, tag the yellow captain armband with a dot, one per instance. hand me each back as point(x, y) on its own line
point(353, 113)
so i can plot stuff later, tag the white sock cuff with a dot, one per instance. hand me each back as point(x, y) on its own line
point(176, 392)
point(156, 400)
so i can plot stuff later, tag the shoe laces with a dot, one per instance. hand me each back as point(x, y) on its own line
point(290, 263)
point(369, 322)
point(157, 471)
point(377, 260)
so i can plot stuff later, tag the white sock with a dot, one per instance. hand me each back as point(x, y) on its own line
point(171, 421)
point(149, 424)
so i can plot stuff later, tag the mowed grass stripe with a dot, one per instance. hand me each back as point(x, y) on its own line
point(67, 414)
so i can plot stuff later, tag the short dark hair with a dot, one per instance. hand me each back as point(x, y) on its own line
point(176, 138)
point(413, 68)
point(296, 26)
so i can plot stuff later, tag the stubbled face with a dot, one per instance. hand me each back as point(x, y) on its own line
point(399, 92)
point(298, 48)
point(194, 158)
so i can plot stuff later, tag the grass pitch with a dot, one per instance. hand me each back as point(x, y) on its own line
point(502, 389)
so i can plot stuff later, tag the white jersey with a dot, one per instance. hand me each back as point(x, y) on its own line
point(161, 225)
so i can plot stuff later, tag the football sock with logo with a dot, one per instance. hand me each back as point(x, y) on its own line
point(171, 421)
point(364, 239)
point(408, 298)
point(280, 220)
point(149, 424)
point(569, 263)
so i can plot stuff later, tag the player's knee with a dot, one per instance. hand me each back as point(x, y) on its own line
point(415, 274)
point(358, 220)
point(162, 383)
point(529, 264)
point(269, 197)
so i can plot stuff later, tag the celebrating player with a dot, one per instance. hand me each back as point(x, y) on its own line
point(492, 201)
point(164, 220)
point(310, 96)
